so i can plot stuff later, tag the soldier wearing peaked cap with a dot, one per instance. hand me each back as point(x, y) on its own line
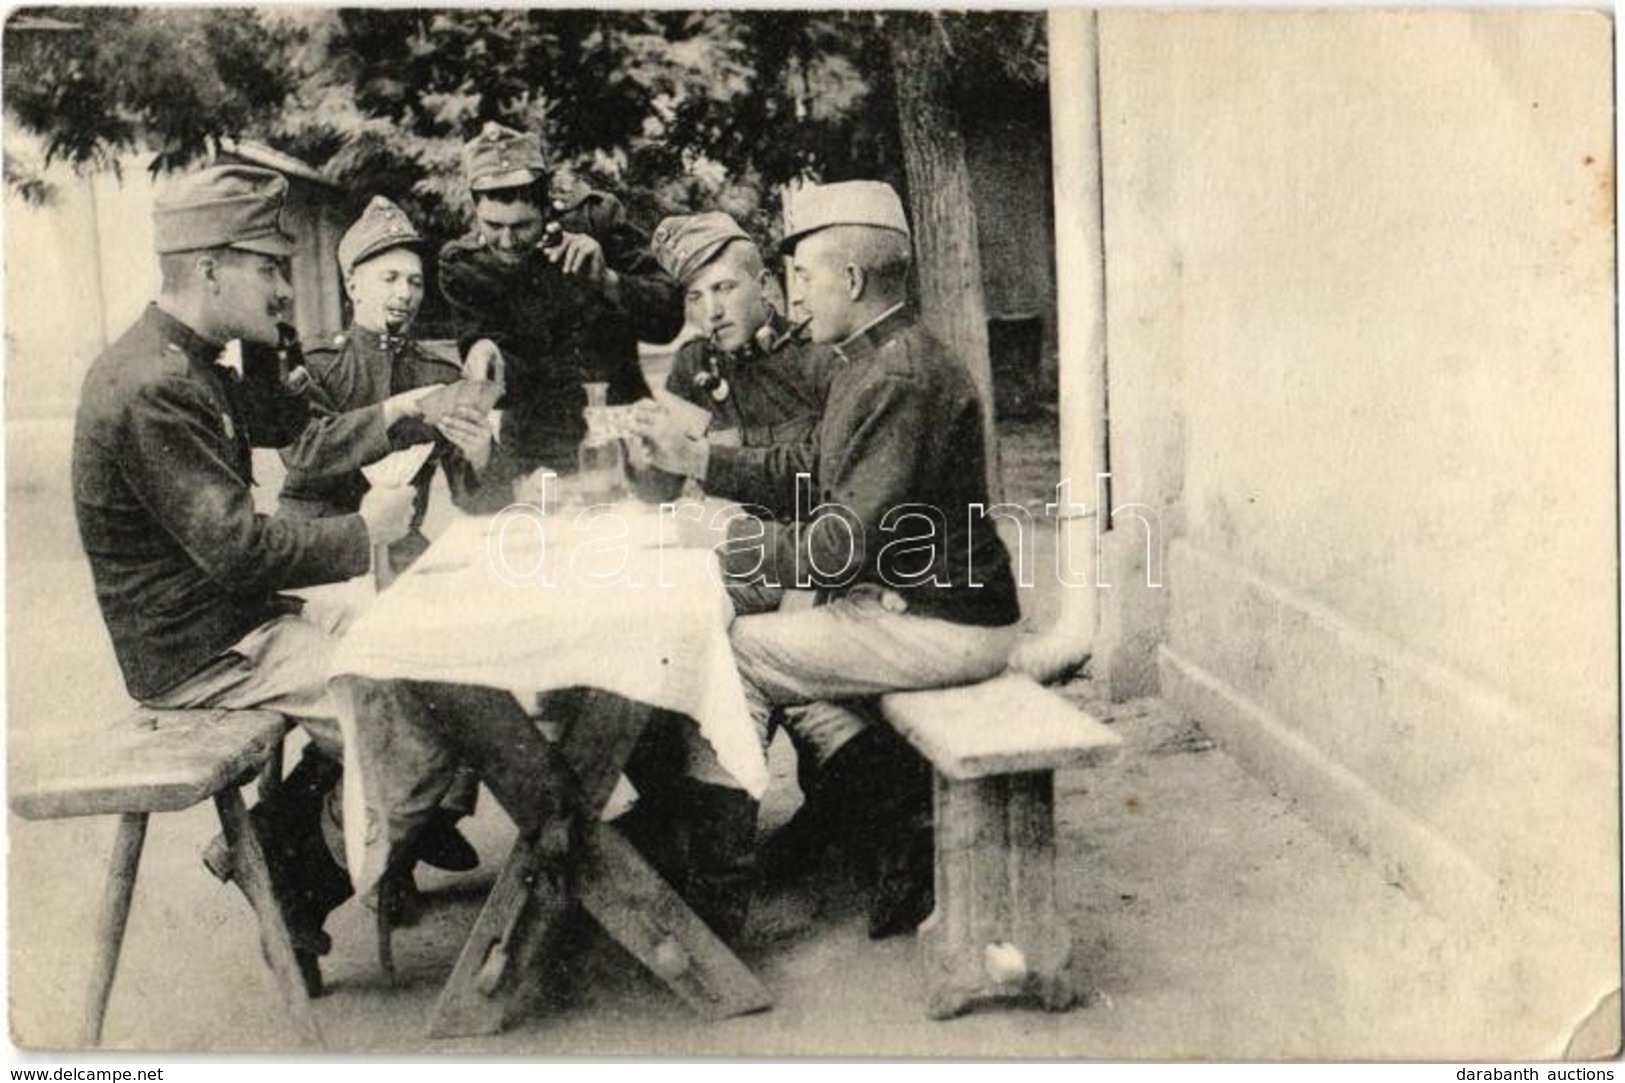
point(897, 449)
point(551, 294)
point(189, 577)
point(759, 380)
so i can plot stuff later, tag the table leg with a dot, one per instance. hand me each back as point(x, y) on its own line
point(499, 968)
point(115, 914)
point(642, 913)
point(253, 879)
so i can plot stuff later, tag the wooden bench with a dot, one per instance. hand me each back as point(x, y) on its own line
point(162, 761)
point(997, 932)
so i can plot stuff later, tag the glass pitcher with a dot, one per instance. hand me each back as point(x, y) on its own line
point(601, 459)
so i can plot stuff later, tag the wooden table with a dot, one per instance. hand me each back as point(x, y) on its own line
point(469, 614)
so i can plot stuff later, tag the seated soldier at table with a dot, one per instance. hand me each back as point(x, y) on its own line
point(756, 381)
point(189, 577)
point(377, 361)
point(900, 443)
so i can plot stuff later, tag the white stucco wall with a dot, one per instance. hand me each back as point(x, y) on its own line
point(1360, 345)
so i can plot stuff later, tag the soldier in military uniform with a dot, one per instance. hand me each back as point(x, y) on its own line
point(760, 382)
point(553, 294)
point(901, 429)
point(375, 360)
point(189, 578)
point(374, 364)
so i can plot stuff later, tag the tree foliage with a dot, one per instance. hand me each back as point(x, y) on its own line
point(671, 109)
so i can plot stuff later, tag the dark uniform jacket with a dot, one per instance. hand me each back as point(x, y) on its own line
point(898, 458)
point(354, 377)
point(183, 566)
point(556, 333)
point(773, 397)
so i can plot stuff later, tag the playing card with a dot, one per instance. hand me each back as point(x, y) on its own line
point(693, 419)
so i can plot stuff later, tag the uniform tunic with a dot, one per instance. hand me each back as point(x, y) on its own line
point(901, 434)
point(361, 372)
point(183, 565)
point(772, 397)
point(556, 332)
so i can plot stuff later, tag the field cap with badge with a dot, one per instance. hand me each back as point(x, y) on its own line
point(684, 244)
point(500, 157)
point(381, 227)
point(223, 206)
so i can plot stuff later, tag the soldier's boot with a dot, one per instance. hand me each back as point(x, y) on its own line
point(654, 827)
point(797, 848)
point(656, 824)
point(721, 876)
point(874, 795)
point(307, 880)
point(901, 837)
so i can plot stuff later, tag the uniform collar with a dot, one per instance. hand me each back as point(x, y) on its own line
point(876, 333)
point(386, 341)
point(183, 338)
point(753, 349)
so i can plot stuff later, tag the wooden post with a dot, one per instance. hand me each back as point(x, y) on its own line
point(948, 259)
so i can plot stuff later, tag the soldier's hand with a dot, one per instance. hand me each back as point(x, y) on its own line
point(407, 404)
point(580, 254)
point(665, 443)
point(485, 362)
point(469, 434)
point(387, 511)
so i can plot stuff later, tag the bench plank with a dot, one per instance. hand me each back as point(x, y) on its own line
point(1005, 725)
point(146, 761)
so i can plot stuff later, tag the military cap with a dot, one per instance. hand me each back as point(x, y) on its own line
point(849, 203)
point(382, 226)
point(500, 157)
point(685, 243)
point(223, 206)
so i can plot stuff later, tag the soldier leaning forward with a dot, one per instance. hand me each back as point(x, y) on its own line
point(552, 295)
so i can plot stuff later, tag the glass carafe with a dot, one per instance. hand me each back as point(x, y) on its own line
point(601, 459)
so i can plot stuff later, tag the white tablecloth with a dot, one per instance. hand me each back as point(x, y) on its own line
point(531, 604)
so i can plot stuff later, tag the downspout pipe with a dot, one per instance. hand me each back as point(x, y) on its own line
point(1080, 282)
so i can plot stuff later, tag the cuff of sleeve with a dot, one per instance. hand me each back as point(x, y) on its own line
point(721, 469)
point(374, 435)
point(357, 546)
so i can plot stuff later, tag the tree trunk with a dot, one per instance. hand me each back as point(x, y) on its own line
point(948, 262)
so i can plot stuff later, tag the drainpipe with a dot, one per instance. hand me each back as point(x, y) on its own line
point(1080, 282)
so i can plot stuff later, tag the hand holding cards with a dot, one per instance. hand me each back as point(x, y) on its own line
point(479, 396)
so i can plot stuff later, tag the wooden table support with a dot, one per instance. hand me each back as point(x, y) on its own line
point(500, 970)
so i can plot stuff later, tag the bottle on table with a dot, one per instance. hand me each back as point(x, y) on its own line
point(601, 459)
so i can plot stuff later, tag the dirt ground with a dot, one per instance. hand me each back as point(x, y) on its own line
point(1209, 921)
